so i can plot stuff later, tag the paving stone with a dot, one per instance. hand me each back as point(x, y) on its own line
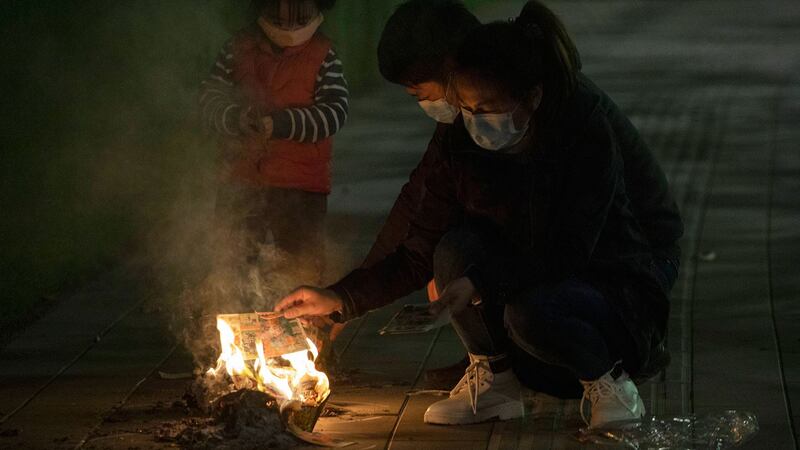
point(371, 432)
point(445, 445)
point(29, 360)
point(72, 405)
point(412, 427)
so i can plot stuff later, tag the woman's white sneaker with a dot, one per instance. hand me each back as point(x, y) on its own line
point(480, 396)
point(614, 402)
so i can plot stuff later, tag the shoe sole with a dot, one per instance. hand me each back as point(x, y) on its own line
point(619, 423)
point(505, 411)
point(623, 424)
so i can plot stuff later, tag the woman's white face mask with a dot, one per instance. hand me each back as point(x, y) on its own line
point(494, 131)
point(439, 110)
point(290, 38)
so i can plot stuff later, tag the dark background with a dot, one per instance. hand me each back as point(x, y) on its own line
point(98, 127)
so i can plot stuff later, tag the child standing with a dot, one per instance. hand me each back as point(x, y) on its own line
point(275, 96)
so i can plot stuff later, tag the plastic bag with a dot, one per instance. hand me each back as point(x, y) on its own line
point(713, 431)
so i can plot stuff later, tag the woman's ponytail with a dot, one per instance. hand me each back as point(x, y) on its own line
point(519, 56)
point(558, 53)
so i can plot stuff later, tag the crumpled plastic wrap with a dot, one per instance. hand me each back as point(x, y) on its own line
point(713, 432)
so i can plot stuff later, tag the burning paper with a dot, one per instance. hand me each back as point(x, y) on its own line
point(271, 354)
point(274, 333)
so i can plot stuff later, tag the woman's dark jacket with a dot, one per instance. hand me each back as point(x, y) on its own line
point(561, 205)
point(651, 200)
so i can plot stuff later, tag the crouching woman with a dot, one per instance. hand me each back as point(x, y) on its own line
point(527, 230)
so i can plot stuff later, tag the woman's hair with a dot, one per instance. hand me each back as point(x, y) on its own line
point(299, 10)
point(513, 58)
point(419, 39)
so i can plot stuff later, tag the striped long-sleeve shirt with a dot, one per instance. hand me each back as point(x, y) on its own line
point(222, 105)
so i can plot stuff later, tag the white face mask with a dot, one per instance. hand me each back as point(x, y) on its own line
point(439, 110)
point(494, 131)
point(290, 38)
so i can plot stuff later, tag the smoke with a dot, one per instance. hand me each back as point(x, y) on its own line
point(98, 129)
point(105, 159)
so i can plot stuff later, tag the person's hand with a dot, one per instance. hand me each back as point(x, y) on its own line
point(309, 301)
point(456, 296)
point(267, 127)
point(249, 123)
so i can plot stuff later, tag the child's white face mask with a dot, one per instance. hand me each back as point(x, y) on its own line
point(494, 131)
point(290, 38)
point(439, 110)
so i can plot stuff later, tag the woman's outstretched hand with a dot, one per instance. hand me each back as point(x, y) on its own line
point(309, 301)
point(456, 296)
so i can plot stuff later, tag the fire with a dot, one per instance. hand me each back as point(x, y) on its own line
point(289, 377)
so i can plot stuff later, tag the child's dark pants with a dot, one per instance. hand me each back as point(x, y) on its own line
point(295, 218)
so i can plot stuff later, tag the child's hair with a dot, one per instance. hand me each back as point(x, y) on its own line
point(300, 11)
point(420, 37)
point(515, 57)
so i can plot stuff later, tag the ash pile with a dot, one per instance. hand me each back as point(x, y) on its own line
point(243, 419)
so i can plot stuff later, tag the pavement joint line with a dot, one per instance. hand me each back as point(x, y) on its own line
point(770, 204)
point(687, 314)
point(689, 286)
point(496, 435)
point(661, 128)
point(690, 282)
point(556, 424)
point(712, 139)
point(406, 398)
point(125, 399)
point(652, 111)
point(98, 338)
point(687, 138)
point(353, 336)
point(664, 146)
point(649, 125)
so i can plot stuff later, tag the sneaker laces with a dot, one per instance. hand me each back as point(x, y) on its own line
point(472, 381)
point(598, 389)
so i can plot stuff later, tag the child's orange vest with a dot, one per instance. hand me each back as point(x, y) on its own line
point(274, 81)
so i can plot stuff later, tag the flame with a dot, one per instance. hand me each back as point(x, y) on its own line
point(299, 380)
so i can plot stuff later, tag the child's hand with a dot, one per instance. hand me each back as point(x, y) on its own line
point(249, 124)
point(267, 127)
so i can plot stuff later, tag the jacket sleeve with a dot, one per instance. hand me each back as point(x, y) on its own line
point(402, 213)
point(326, 116)
point(652, 200)
point(591, 182)
point(410, 265)
point(220, 106)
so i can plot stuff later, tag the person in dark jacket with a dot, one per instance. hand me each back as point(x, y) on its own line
point(528, 229)
point(415, 46)
point(417, 43)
